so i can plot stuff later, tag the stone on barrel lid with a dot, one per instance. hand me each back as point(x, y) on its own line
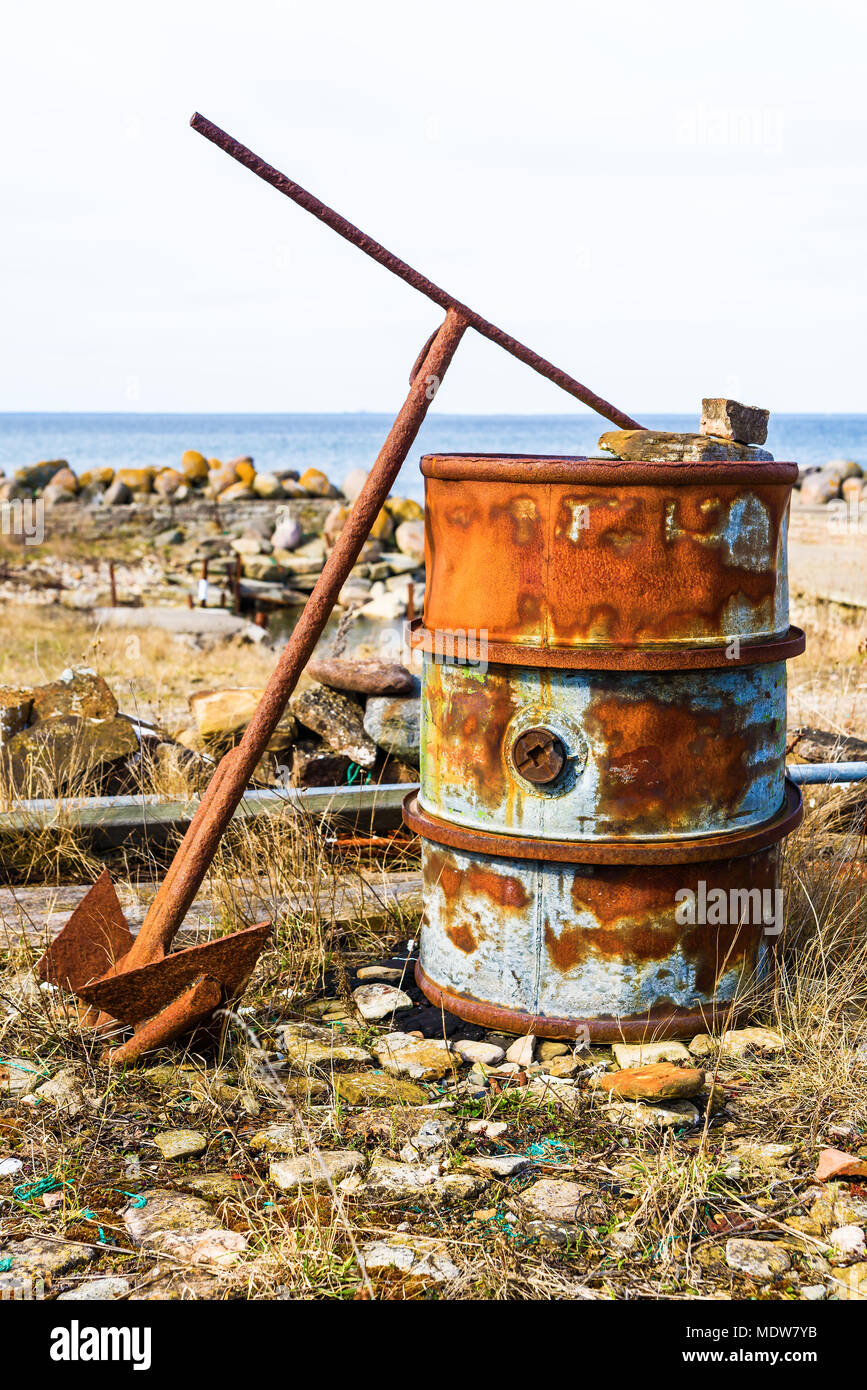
point(725, 419)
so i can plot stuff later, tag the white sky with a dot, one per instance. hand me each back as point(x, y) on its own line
point(667, 199)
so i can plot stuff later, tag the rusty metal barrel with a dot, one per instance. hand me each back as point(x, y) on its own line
point(602, 792)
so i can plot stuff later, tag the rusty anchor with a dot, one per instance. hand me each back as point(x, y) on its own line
point(138, 980)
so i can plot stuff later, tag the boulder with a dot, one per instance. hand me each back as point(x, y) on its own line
point(138, 480)
point(65, 478)
point(353, 483)
point(268, 485)
point(842, 469)
point(244, 469)
point(100, 477)
point(337, 719)
point(314, 765)
point(15, 709)
point(194, 466)
point(395, 726)
point(335, 522)
point(237, 492)
point(316, 483)
point(220, 478)
point(55, 753)
point(362, 677)
point(80, 692)
point(117, 494)
point(818, 490)
point(222, 715)
point(404, 509)
point(55, 495)
point(167, 482)
point(38, 475)
point(383, 527)
point(410, 540)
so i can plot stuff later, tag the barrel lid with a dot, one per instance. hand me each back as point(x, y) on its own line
point(554, 468)
point(694, 850)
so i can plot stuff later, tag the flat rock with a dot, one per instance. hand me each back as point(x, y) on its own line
point(642, 1054)
point(275, 1139)
point(181, 1143)
point(498, 1165)
point(663, 446)
point(553, 1199)
point(214, 1187)
point(764, 1157)
point(165, 1211)
point(96, 1290)
point(377, 1088)
point(391, 974)
point(726, 419)
point(638, 1116)
point(418, 1257)
point(377, 1001)
point(548, 1049)
point(487, 1053)
point(80, 692)
point(834, 1163)
point(757, 1259)
point(17, 1075)
point(421, 1059)
point(430, 1141)
point(37, 1255)
point(390, 1179)
point(659, 1081)
point(306, 1170)
point(307, 1052)
point(64, 1091)
point(362, 677)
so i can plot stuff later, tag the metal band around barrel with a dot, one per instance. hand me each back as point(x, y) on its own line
point(462, 649)
point(523, 468)
point(733, 845)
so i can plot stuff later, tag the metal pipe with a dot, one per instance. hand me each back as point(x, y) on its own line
point(822, 774)
point(197, 849)
point(405, 272)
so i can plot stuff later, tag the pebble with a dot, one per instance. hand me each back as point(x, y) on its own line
point(490, 1129)
point(305, 1170)
point(757, 1259)
point(96, 1290)
point(522, 1050)
point(8, 1166)
point(487, 1053)
point(848, 1241)
point(377, 1001)
point(430, 1141)
point(389, 973)
point(181, 1143)
point(548, 1050)
point(422, 1059)
point(64, 1091)
point(813, 1293)
point(737, 1042)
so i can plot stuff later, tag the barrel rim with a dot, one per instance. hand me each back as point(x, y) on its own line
point(651, 1026)
point(698, 849)
point(619, 657)
point(579, 468)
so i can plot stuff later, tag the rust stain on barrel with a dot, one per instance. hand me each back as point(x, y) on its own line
point(653, 746)
point(468, 723)
point(641, 563)
point(504, 890)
